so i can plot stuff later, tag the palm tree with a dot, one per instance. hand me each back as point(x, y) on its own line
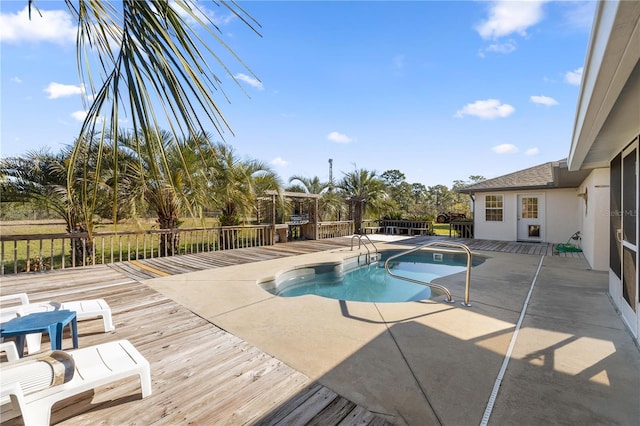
point(147, 52)
point(43, 178)
point(364, 189)
point(310, 185)
point(166, 184)
point(236, 183)
point(39, 177)
point(330, 202)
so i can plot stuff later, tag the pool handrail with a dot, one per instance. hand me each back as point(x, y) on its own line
point(432, 285)
point(359, 236)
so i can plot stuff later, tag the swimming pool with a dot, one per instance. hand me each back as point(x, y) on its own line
point(370, 282)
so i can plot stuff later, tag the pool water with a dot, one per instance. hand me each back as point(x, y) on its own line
point(369, 282)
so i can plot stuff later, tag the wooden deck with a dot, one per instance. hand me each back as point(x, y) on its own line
point(200, 373)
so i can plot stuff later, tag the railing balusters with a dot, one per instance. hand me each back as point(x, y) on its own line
point(15, 257)
point(62, 254)
point(2, 259)
point(40, 258)
point(85, 251)
point(52, 243)
point(28, 266)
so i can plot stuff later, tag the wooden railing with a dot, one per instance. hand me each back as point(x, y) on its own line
point(372, 226)
point(335, 229)
point(407, 227)
point(27, 253)
point(462, 228)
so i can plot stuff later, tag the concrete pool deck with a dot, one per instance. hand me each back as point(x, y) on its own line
point(430, 362)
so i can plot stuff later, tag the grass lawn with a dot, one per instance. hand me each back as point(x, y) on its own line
point(57, 226)
point(41, 253)
point(441, 229)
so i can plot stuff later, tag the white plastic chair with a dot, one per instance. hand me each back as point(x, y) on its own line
point(28, 385)
point(10, 350)
point(85, 309)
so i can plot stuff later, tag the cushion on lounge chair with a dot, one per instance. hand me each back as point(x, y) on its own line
point(94, 366)
point(33, 374)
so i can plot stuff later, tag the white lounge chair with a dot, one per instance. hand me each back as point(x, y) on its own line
point(31, 386)
point(10, 351)
point(85, 309)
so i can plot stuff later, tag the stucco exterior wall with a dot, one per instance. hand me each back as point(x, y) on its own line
point(502, 231)
point(595, 220)
point(561, 209)
point(562, 215)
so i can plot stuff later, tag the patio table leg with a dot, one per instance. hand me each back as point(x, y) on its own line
point(55, 335)
point(74, 332)
point(20, 344)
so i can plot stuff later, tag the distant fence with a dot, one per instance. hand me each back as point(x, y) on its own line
point(28, 253)
point(407, 227)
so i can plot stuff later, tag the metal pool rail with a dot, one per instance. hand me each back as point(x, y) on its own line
point(369, 258)
point(437, 286)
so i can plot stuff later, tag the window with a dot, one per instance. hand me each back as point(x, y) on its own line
point(493, 208)
point(530, 208)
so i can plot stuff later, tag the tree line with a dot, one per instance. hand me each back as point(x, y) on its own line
point(196, 176)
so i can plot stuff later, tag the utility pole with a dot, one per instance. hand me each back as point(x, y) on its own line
point(330, 174)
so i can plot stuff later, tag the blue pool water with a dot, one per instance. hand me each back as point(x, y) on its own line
point(370, 283)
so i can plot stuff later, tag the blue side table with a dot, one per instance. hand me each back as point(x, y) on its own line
point(52, 322)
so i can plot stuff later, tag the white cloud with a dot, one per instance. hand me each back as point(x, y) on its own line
point(54, 26)
point(574, 77)
point(505, 148)
point(58, 90)
point(79, 115)
point(251, 81)
point(16, 80)
point(507, 17)
point(532, 151)
point(487, 109)
point(504, 48)
point(279, 161)
point(579, 14)
point(204, 14)
point(338, 137)
point(543, 100)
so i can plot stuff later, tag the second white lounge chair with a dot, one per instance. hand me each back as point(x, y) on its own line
point(31, 386)
point(18, 304)
point(85, 309)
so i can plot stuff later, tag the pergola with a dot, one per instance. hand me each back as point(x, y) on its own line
point(295, 220)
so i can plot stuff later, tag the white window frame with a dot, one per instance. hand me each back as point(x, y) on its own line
point(499, 199)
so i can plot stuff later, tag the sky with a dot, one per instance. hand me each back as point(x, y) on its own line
point(440, 90)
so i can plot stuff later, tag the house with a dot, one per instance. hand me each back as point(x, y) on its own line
point(538, 204)
point(595, 190)
point(606, 141)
